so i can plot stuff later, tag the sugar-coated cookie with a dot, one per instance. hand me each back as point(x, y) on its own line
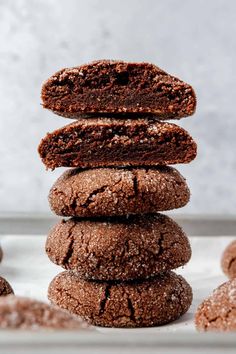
point(1, 253)
point(228, 260)
point(5, 287)
point(218, 311)
point(119, 249)
point(25, 313)
point(113, 191)
point(145, 303)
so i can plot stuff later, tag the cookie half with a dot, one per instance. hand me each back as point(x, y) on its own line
point(25, 313)
point(132, 304)
point(228, 261)
point(5, 287)
point(114, 192)
point(108, 86)
point(218, 312)
point(115, 142)
point(120, 249)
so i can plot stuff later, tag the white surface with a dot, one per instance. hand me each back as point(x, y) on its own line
point(194, 40)
point(27, 268)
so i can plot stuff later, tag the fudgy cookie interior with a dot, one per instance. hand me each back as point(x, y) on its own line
point(113, 142)
point(117, 87)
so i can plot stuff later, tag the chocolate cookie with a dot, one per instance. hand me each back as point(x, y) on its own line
point(5, 287)
point(1, 254)
point(100, 142)
point(218, 312)
point(113, 191)
point(25, 313)
point(132, 304)
point(108, 86)
point(119, 249)
point(228, 261)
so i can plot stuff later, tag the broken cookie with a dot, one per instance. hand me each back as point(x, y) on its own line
point(116, 87)
point(116, 142)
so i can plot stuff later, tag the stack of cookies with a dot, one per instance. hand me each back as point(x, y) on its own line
point(118, 251)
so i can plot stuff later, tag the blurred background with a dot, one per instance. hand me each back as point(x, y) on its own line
point(193, 40)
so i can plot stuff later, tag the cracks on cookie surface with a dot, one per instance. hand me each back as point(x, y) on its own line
point(92, 195)
point(98, 191)
point(161, 251)
point(70, 249)
point(160, 244)
point(208, 322)
point(92, 306)
point(131, 309)
point(220, 321)
point(73, 204)
point(135, 185)
point(104, 299)
point(143, 195)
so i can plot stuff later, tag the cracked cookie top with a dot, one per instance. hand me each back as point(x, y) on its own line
point(118, 191)
point(120, 248)
point(138, 303)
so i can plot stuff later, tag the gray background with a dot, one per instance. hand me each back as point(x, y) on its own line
point(194, 40)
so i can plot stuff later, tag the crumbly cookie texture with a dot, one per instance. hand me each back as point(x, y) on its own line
point(123, 248)
point(25, 313)
point(228, 260)
point(218, 312)
point(116, 87)
point(5, 287)
point(114, 192)
point(96, 142)
point(125, 304)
